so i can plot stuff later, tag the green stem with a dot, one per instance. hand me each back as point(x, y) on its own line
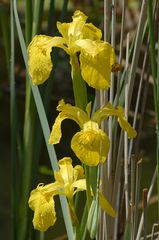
point(80, 96)
point(88, 192)
point(74, 219)
point(79, 86)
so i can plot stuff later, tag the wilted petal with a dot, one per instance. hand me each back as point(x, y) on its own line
point(40, 64)
point(105, 205)
point(67, 112)
point(91, 145)
point(96, 59)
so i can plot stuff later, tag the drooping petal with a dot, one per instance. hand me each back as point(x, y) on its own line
point(105, 205)
point(91, 32)
point(109, 110)
point(44, 209)
point(125, 125)
point(56, 133)
point(67, 112)
point(104, 113)
point(45, 215)
point(91, 145)
point(96, 59)
point(40, 64)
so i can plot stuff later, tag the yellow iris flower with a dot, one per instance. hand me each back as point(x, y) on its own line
point(77, 36)
point(68, 181)
point(91, 144)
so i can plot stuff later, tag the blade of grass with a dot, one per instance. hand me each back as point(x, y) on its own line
point(37, 16)
point(155, 225)
point(148, 198)
point(125, 134)
point(143, 104)
point(117, 180)
point(121, 49)
point(137, 47)
point(50, 30)
point(155, 86)
point(28, 20)
point(132, 200)
point(144, 199)
point(34, 131)
point(30, 164)
point(13, 125)
point(137, 192)
point(101, 99)
point(107, 5)
point(138, 97)
point(45, 126)
point(5, 33)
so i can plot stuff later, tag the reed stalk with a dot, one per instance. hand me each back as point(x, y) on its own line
point(13, 126)
point(44, 124)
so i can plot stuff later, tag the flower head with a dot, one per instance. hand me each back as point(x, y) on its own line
point(90, 144)
point(69, 180)
point(77, 36)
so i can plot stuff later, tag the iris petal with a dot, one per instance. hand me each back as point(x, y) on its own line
point(44, 209)
point(66, 170)
point(40, 64)
point(109, 110)
point(105, 205)
point(91, 32)
point(92, 53)
point(80, 185)
point(67, 112)
point(125, 125)
point(90, 146)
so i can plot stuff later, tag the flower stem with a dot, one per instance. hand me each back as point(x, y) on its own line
point(80, 95)
point(79, 86)
point(74, 219)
